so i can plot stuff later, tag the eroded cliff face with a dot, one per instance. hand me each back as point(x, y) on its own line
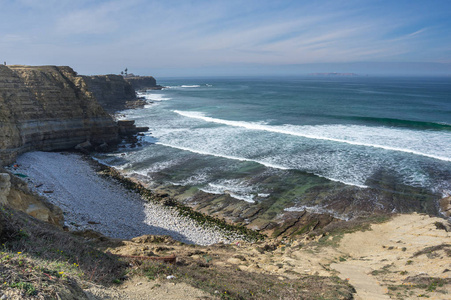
point(48, 108)
point(15, 194)
point(111, 91)
point(143, 82)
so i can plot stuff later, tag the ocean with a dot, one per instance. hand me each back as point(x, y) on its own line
point(338, 145)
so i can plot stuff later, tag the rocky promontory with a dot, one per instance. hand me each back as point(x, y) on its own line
point(48, 108)
point(111, 91)
point(143, 83)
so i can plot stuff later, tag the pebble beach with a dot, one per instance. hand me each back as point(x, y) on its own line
point(90, 201)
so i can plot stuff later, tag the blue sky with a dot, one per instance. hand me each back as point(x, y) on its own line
point(182, 38)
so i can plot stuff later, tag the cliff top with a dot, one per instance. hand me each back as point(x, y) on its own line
point(44, 68)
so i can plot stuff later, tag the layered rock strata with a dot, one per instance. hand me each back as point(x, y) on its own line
point(48, 108)
point(143, 83)
point(111, 91)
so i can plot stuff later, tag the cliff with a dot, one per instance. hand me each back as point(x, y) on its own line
point(143, 83)
point(48, 108)
point(111, 91)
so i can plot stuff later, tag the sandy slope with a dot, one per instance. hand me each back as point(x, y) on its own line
point(386, 256)
point(382, 263)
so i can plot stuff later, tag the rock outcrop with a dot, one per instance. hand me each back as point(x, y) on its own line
point(5, 185)
point(111, 91)
point(445, 206)
point(143, 83)
point(15, 194)
point(48, 108)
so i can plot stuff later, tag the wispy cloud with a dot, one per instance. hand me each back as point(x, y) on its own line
point(170, 34)
point(417, 32)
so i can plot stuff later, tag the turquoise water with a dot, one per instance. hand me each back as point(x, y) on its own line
point(260, 138)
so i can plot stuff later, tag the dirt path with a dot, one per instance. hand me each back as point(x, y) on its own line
point(366, 286)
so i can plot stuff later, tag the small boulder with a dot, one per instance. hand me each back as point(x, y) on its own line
point(103, 148)
point(84, 147)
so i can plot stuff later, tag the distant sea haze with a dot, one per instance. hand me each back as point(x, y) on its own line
point(251, 137)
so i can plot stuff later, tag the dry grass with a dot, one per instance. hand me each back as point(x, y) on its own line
point(40, 260)
point(233, 283)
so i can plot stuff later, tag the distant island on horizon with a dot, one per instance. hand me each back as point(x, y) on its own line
point(333, 74)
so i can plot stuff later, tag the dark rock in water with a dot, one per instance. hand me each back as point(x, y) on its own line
point(135, 104)
point(126, 123)
point(128, 131)
point(303, 203)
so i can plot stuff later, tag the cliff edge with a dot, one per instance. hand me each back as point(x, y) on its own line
point(111, 91)
point(143, 83)
point(48, 108)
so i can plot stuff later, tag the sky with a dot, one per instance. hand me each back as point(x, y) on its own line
point(229, 38)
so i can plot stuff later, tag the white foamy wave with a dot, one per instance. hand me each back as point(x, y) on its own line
point(157, 167)
point(222, 155)
point(156, 97)
point(234, 188)
point(196, 179)
point(343, 181)
point(184, 86)
point(425, 143)
point(264, 163)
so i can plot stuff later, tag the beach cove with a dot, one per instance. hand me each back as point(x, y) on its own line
point(402, 256)
point(316, 223)
point(92, 202)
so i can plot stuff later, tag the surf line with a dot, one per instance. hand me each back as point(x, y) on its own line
point(255, 161)
point(268, 128)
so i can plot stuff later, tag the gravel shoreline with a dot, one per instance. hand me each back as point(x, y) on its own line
point(84, 196)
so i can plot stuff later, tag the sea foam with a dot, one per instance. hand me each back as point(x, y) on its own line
point(429, 144)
